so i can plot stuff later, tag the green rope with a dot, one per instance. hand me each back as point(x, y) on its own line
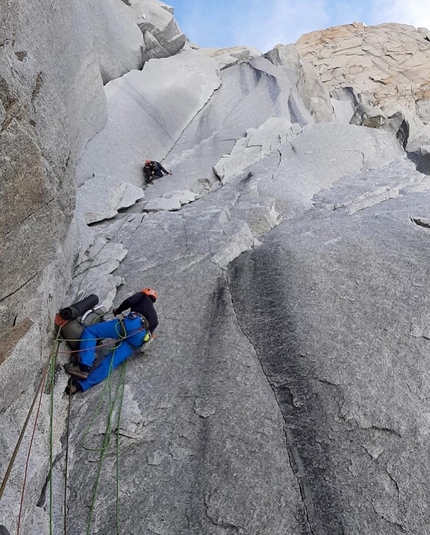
point(105, 444)
point(118, 423)
point(66, 468)
point(119, 394)
point(107, 383)
point(51, 432)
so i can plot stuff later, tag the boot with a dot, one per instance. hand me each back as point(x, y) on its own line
point(72, 388)
point(81, 371)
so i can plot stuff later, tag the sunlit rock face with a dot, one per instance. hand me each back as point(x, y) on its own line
point(309, 85)
point(384, 69)
point(286, 389)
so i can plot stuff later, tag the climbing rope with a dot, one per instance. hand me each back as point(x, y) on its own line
point(50, 367)
point(66, 463)
point(107, 389)
point(51, 433)
point(119, 395)
point(52, 359)
point(38, 394)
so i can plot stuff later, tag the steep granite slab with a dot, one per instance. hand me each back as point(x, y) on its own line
point(309, 86)
point(212, 449)
point(209, 428)
point(118, 42)
point(145, 120)
point(251, 93)
point(345, 300)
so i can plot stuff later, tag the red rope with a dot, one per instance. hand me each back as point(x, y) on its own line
point(29, 450)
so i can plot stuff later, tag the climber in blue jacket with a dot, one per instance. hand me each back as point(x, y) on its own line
point(131, 333)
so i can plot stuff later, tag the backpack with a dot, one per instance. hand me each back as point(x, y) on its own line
point(74, 319)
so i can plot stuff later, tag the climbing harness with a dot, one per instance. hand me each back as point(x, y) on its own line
point(113, 401)
point(49, 371)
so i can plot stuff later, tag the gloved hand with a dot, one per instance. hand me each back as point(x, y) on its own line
point(114, 311)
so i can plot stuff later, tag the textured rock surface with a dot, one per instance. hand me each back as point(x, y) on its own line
point(117, 195)
point(250, 94)
point(307, 82)
point(286, 391)
point(388, 65)
point(147, 114)
point(48, 113)
point(118, 42)
point(203, 424)
point(226, 57)
point(161, 34)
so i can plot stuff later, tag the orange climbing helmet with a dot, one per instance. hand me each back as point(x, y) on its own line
point(147, 162)
point(150, 292)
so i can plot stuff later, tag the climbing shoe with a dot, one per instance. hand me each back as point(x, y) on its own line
point(79, 371)
point(72, 387)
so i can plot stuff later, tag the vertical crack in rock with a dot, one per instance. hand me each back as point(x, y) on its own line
point(390, 475)
point(266, 318)
point(37, 87)
point(293, 455)
point(192, 119)
point(42, 498)
point(279, 164)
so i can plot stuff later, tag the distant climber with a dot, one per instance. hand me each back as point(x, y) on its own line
point(131, 332)
point(152, 170)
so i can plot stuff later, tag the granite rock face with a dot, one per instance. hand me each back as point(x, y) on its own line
point(161, 111)
point(307, 82)
point(118, 42)
point(226, 57)
point(286, 391)
point(389, 73)
point(47, 115)
point(161, 34)
point(212, 448)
